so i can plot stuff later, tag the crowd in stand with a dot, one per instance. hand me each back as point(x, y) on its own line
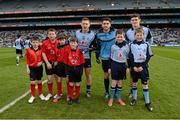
point(160, 35)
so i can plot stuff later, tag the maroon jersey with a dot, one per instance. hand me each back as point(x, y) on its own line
point(73, 57)
point(49, 49)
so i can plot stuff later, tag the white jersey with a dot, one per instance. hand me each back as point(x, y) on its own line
point(27, 44)
point(18, 44)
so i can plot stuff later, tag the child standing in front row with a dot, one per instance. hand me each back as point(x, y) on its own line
point(73, 61)
point(119, 54)
point(34, 68)
point(139, 55)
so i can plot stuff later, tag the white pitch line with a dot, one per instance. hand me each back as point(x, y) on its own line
point(16, 100)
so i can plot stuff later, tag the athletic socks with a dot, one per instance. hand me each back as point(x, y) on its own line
point(146, 95)
point(77, 91)
point(112, 92)
point(134, 93)
point(50, 85)
point(59, 88)
point(40, 88)
point(88, 88)
point(70, 91)
point(106, 85)
point(33, 90)
point(119, 92)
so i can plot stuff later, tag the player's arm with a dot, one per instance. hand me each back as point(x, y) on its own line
point(27, 62)
point(127, 39)
point(131, 58)
point(49, 66)
point(149, 38)
point(149, 54)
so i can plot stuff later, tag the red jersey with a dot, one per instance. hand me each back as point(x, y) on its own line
point(33, 57)
point(50, 49)
point(73, 57)
point(60, 52)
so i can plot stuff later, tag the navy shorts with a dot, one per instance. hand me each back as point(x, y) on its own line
point(118, 70)
point(106, 65)
point(60, 69)
point(18, 51)
point(143, 75)
point(50, 71)
point(36, 73)
point(74, 73)
point(87, 63)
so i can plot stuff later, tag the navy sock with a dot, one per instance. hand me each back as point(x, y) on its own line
point(106, 85)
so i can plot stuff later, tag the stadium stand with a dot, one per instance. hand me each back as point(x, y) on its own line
point(160, 36)
point(28, 16)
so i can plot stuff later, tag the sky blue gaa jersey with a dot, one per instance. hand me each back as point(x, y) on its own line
point(120, 54)
point(140, 52)
point(84, 41)
point(130, 35)
point(105, 41)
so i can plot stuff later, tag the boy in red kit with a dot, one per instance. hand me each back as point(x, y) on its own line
point(49, 48)
point(74, 61)
point(59, 65)
point(34, 68)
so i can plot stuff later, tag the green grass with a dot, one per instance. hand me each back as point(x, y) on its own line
point(164, 92)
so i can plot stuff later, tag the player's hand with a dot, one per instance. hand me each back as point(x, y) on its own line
point(49, 66)
point(28, 71)
point(55, 63)
point(39, 63)
point(135, 69)
point(140, 69)
point(98, 61)
point(109, 71)
point(128, 70)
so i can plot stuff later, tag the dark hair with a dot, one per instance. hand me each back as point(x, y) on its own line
point(120, 31)
point(72, 39)
point(18, 36)
point(139, 30)
point(107, 19)
point(51, 30)
point(35, 38)
point(85, 18)
point(135, 15)
point(62, 36)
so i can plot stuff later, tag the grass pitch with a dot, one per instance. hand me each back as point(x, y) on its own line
point(164, 92)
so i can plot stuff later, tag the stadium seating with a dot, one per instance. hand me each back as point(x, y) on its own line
point(47, 5)
point(166, 35)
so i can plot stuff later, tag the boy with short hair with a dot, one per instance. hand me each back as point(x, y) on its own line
point(59, 66)
point(49, 48)
point(140, 54)
point(34, 68)
point(119, 54)
point(74, 61)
